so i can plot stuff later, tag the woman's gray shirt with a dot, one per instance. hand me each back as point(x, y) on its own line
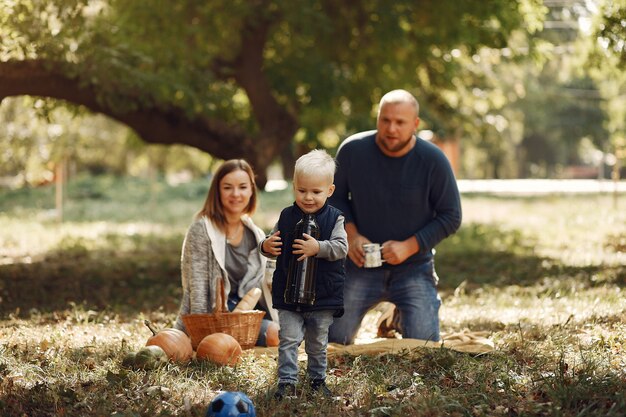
point(203, 261)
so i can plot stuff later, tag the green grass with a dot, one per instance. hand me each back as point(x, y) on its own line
point(544, 276)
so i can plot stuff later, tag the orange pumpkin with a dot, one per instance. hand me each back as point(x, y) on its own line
point(174, 342)
point(220, 348)
point(271, 335)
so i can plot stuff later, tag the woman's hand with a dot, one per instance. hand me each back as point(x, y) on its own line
point(306, 247)
point(272, 244)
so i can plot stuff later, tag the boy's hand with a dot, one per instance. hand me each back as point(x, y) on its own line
point(272, 244)
point(306, 247)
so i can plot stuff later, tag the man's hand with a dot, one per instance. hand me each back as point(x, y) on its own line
point(395, 252)
point(306, 247)
point(272, 244)
point(355, 245)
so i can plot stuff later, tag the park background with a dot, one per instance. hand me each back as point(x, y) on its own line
point(114, 115)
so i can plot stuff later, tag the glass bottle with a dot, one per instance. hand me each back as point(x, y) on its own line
point(301, 275)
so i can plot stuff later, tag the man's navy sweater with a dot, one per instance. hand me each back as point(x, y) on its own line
point(391, 198)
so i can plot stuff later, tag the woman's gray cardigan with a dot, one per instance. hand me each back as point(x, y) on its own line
point(203, 263)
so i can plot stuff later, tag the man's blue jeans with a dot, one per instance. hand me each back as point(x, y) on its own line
point(411, 287)
point(294, 327)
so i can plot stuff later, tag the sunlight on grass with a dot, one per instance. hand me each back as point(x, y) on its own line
point(573, 229)
point(543, 276)
point(96, 211)
point(26, 241)
point(494, 308)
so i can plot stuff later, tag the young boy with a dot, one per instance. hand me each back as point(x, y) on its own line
point(312, 184)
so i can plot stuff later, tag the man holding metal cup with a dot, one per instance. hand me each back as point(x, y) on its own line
point(400, 199)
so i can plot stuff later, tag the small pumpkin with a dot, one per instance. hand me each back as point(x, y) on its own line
point(129, 360)
point(174, 342)
point(220, 348)
point(149, 357)
point(271, 335)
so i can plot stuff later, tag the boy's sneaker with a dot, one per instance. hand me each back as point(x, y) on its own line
point(285, 389)
point(320, 387)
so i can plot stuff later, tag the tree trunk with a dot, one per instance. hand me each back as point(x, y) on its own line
point(288, 161)
point(278, 125)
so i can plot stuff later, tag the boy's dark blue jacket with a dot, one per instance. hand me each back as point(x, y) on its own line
point(330, 275)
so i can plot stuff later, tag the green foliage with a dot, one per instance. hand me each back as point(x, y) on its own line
point(319, 56)
point(611, 30)
point(515, 90)
point(116, 199)
point(559, 118)
point(605, 61)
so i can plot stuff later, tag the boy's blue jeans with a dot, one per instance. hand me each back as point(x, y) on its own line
point(312, 327)
point(411, 287)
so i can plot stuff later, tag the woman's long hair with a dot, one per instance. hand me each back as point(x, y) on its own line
point(213, 207)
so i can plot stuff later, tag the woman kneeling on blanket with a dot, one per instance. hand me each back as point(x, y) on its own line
point(221, 244)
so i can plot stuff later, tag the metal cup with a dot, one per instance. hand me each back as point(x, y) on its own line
point(373, 255)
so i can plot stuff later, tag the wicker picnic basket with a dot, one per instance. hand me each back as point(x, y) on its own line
point(244, 326)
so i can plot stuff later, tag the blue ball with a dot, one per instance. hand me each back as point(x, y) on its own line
point(231, 404)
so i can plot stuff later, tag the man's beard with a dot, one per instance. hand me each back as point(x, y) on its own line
point(398, 147)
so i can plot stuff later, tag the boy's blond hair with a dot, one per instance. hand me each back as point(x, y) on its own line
point(316, 163)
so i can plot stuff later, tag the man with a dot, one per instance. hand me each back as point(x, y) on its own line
point(399, 191)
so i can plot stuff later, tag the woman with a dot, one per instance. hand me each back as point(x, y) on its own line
point(222, 243)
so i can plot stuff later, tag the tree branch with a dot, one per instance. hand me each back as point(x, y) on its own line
point(159, 126)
